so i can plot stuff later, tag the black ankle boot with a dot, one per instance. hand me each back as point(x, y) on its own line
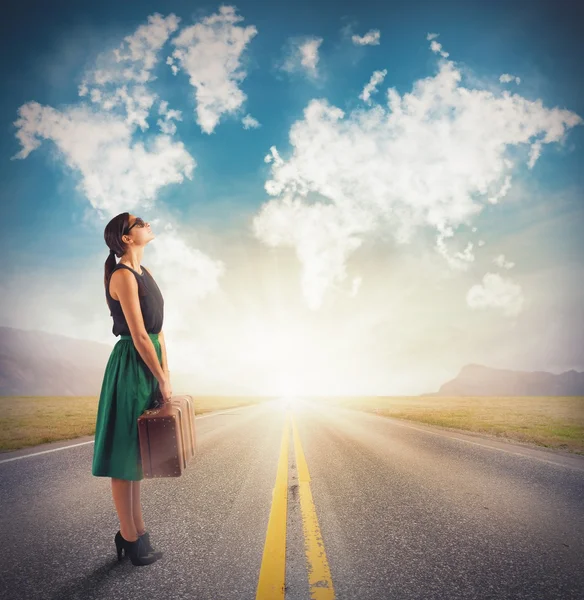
point(135, 550)
point(145, 537)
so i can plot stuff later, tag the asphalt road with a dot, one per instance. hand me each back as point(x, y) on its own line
point(374, 508)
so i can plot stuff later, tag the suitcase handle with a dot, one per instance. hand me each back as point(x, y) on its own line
point(156, 398)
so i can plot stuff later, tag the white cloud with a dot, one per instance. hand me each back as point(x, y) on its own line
point(318, 232)
point(459, 260)
point(169, 113)
point(173, 67)
point(494, 199)
point(437, 47)
point(166, 125)
point(534, 154)
point(371, 87)
point(95, 96)
point(115, 171)
point(506, 78)
point(309, 54)
point(180, 267)
point(371, 38)
point(496, 292)
point(303, 56)
point(141, 48)
point(210, 53)
point(137, 103)
point(120, 74)
point(97, 140)
point(501, 262)
point(431, 158)
point(249, 122)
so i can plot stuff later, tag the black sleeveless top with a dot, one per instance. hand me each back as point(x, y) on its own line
point(151, 303)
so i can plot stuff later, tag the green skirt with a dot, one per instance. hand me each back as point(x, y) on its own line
point(128, 389)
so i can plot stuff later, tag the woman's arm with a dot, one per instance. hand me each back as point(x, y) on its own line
point(163, 349)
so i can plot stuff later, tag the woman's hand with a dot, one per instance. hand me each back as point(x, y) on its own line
point(166, 388)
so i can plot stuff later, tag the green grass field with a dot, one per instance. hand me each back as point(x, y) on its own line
point(553, 422)
point(32, 420)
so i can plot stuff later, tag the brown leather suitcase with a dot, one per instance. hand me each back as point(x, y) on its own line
point(167, 437)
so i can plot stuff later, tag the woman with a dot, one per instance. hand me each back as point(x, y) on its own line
point(135, 374)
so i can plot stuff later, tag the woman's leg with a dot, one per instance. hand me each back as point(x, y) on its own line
point(122, 494)
point(137, 508)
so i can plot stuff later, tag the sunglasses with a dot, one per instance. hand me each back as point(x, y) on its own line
point(138, 222)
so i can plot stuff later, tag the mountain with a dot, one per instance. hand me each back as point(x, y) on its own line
point(36, 363)
point(478, 380)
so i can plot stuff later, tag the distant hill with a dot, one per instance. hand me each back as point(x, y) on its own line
point(36, 363)
point(478, 380)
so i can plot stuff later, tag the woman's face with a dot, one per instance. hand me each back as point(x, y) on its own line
point(138, 229)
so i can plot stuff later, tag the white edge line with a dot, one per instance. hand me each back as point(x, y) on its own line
point(44, 452)
point(440, 433)
point(551, 462)
point(83, 443)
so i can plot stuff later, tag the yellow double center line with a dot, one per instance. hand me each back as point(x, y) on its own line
point(272, 579)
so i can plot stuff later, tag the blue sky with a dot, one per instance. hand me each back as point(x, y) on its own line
point(228, 229)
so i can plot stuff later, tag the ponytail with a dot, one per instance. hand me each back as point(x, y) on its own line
point(110, 263)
